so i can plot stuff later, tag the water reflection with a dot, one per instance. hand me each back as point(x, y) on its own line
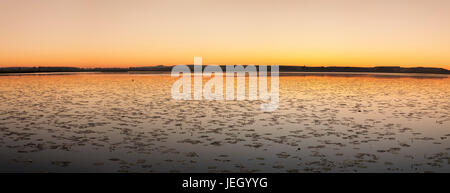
point(340, 122)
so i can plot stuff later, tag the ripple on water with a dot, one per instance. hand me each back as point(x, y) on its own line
point(108, 123)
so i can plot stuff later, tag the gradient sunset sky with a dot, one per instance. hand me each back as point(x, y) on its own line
point(122, 33)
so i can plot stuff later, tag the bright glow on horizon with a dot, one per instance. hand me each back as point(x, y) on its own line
point(124, 33)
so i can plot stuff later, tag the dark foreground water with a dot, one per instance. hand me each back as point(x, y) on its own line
point(326, 122)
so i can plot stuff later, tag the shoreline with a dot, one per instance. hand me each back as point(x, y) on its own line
point(281, 74)
point(282, 69)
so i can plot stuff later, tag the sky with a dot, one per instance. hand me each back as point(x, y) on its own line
point(124, 33)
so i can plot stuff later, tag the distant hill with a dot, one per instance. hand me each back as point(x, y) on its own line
point(390, 69)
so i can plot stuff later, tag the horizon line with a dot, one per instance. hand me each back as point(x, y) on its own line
point(171, 65)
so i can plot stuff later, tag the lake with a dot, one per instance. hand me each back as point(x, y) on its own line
point(125, 122)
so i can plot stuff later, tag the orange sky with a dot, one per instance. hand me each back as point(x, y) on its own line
point(119, 33)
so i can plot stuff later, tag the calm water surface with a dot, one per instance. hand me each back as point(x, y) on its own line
point(326, 122)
